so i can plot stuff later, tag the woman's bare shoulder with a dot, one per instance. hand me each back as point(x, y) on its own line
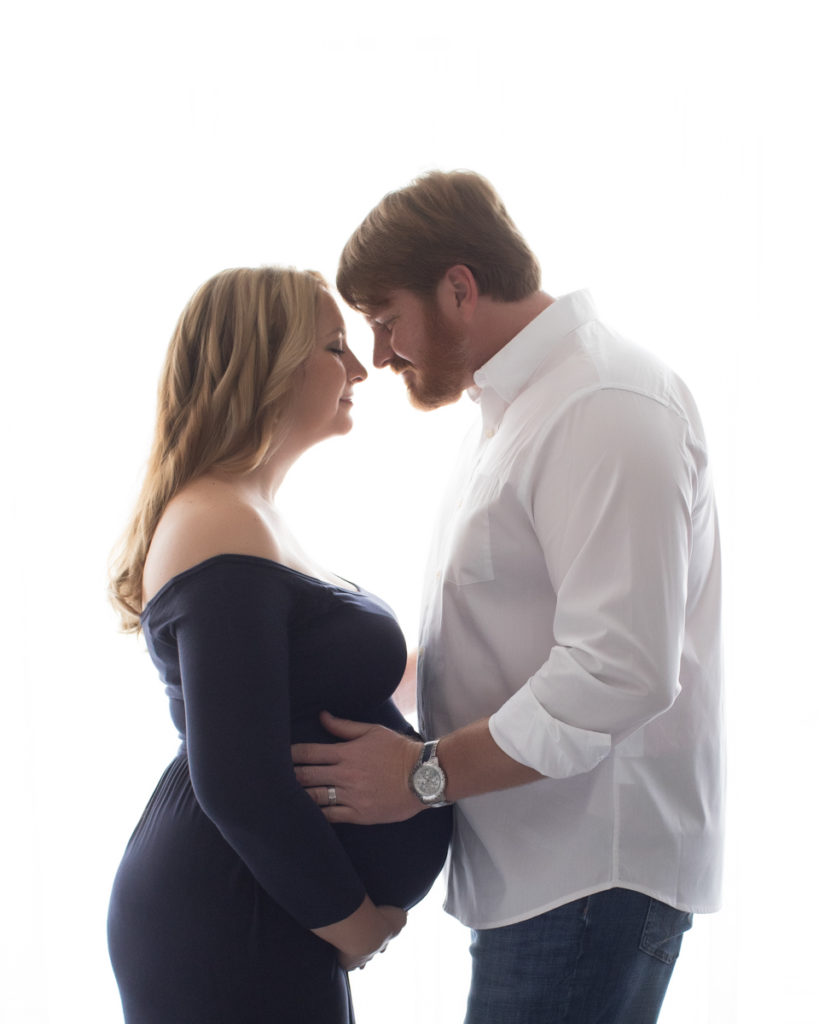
point(200, 522)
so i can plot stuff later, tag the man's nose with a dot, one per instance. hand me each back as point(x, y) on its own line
point(382, 351)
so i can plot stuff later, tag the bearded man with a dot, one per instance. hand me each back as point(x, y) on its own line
point(570, 658)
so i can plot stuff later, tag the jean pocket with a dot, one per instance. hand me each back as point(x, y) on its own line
point(663, 931)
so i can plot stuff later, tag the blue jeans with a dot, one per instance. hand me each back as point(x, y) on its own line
point(603, 959)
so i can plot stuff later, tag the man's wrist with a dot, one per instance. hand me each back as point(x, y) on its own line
point(427, 780)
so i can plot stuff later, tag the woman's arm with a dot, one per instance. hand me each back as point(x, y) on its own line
point(231, 624)
point(364, 933)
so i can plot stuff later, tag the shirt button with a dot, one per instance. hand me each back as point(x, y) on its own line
point(490, 432)
point(437, 574)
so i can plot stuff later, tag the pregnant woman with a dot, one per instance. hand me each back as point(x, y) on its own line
point(235, 901)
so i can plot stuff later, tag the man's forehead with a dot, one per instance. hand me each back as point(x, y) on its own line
point(398, 299)
point(375, 311)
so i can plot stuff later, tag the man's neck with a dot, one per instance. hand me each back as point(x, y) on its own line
point(496, 323)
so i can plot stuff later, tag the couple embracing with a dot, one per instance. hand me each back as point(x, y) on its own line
point(569, 673)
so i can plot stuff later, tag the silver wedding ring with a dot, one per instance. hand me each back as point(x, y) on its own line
point(331, 796)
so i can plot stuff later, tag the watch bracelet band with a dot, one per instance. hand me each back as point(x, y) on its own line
point(429, 753)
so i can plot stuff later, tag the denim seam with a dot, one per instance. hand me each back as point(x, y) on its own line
point(653, 947)
point(570, 985)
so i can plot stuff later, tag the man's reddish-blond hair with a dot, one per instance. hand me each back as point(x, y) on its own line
point(417, 233)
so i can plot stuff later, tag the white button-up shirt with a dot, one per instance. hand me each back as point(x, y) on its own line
point(574, 597)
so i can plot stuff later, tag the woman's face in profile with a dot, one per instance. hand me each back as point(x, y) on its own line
point(324, 403)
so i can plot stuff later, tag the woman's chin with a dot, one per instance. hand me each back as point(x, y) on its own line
point(344, 423)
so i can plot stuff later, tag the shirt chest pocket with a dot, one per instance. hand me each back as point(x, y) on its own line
point(469, 558)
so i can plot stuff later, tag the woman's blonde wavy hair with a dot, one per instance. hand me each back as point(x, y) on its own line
point(224, 393)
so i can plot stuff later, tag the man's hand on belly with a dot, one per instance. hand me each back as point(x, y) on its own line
point(363, 781)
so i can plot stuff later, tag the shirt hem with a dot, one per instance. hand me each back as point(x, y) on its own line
point(686, 907)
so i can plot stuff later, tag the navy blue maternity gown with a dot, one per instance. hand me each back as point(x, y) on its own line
point(232, 863)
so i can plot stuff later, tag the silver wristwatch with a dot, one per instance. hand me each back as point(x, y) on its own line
point(427, 779)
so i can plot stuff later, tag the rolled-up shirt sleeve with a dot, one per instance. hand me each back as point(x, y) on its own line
point(610, 488)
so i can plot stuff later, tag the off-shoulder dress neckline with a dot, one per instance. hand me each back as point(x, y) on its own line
point(253, 560)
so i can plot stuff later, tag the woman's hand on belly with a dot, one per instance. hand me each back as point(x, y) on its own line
point(395, 918)
point(364, 933)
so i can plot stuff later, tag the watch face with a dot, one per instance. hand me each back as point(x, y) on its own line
point(428, 781)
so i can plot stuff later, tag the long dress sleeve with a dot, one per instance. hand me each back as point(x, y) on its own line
point(230, 623)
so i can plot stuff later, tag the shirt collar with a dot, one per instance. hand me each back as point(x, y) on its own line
point(509, 370)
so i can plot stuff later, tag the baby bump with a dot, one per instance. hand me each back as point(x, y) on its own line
point(399, 862)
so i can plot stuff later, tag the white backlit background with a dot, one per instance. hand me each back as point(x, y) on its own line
point(662, 154)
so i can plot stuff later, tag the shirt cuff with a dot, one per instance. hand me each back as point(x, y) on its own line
point(525, 730)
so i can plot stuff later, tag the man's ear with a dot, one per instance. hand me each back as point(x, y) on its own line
point(458, 291)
